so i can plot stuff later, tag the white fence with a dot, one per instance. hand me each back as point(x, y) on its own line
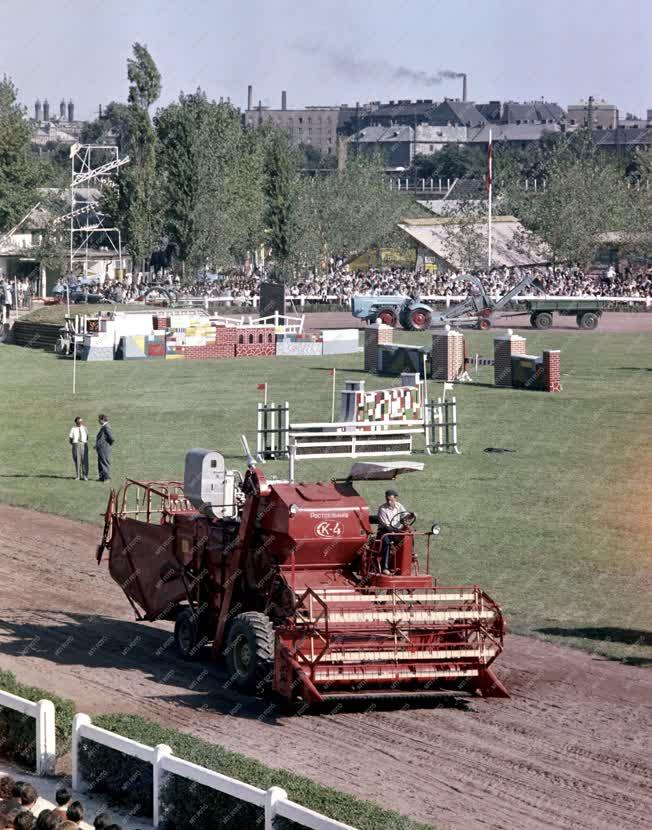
point(291, 325)
point(43, 714)
point(273, 801)
point(302, 299)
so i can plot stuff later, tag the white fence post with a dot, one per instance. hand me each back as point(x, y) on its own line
point(46, 753)
point(77, 722)
point(160, 751)
point(272, 795)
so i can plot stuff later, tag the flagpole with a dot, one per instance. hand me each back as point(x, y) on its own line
point(333, 398)
point(490, 184)
point(265, 398)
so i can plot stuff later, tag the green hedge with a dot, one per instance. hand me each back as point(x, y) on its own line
point(187, 805)
point(18, 732)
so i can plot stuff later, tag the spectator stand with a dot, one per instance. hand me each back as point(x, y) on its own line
point(93, 803)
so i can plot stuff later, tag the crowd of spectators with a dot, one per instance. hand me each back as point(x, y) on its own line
point(341, 284)
point(19, 809)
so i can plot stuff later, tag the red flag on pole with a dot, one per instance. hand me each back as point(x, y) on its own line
point(331, 371)
point(261, 387)
point(490, 164)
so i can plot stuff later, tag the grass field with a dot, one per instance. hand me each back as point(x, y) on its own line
point(558, 531)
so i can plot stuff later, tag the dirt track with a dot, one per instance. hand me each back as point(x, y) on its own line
point(615, 322)
point(570, 750)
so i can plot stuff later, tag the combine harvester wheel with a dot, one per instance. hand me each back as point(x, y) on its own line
point(249, 651)
point(187, 636)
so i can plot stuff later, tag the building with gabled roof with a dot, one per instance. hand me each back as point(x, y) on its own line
point(456, 114)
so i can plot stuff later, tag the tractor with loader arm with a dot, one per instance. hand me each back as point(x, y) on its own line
point(283, 581)
point(413, 314)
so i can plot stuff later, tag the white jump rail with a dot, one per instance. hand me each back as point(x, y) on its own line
point(273, 801)
point(291, 325)
point(43, 713)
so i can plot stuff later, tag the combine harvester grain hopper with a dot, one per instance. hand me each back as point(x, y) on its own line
point(283, 581)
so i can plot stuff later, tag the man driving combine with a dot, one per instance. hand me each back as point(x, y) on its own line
point(389, 524)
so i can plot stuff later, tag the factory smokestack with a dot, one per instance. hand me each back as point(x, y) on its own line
point(37, 110)
point(71, 110)
point(284, 100)
point(464, 90)
point(250, 96)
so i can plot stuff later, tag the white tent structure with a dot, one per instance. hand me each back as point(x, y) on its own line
point(511, 245)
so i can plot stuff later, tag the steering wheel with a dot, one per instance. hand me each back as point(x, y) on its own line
point(405, 518)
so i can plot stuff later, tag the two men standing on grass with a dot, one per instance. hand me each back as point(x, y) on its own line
point(78, 438)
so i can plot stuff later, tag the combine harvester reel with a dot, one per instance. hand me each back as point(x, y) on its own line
point(284, 581)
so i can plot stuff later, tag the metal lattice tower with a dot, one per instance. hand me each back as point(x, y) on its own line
point(87, 222)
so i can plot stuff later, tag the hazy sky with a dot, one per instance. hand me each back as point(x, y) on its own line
point(333, 53)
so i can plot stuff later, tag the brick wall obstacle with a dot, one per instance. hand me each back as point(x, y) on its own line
point(375, 336)
point(447, 356)
point(505, 347)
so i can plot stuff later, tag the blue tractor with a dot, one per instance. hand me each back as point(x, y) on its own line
point(414, 315)
point(411, 313)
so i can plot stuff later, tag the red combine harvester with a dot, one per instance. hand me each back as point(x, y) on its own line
point(284, 581)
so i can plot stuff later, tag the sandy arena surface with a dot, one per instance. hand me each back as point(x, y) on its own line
point(569, 750)
point(620, 322)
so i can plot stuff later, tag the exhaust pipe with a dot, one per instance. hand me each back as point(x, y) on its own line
point(251, 461)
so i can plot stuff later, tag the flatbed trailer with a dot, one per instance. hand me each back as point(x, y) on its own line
point(586, 310)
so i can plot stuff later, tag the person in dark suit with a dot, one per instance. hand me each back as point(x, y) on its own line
point(103, 445)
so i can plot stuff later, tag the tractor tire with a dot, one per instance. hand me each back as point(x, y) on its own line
point(187, 635)
point(249, 652)
point(418, 320)
point(387, 317)
point(588, 320)
point(543, 320)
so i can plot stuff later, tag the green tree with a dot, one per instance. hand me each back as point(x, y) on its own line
point(144, 78)
point(466, 242)
point(212, 175)
point(585, 198)
point(113, 126)
point(20, 173)
point(281, 191)
point(348, 212)
point(53, 249)
point(453, 161)
point(136, 205)
point(178, 128)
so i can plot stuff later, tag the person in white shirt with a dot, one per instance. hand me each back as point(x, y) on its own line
point(7, 300)
point(389, 526)
point(78, 438)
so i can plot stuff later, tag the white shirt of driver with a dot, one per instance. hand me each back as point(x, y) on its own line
point(386, 513)
point(79, 435)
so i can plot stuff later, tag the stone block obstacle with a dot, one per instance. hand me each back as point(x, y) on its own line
point(448, 359)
